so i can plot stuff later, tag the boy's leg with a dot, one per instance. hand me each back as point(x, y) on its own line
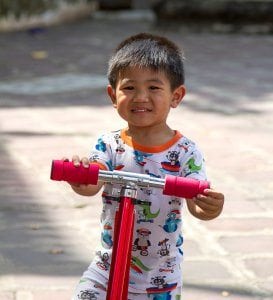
point(89, 289)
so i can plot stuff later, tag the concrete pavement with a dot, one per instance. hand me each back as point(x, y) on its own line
point(53, 104)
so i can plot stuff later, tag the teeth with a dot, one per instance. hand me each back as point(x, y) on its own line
point(140, 110)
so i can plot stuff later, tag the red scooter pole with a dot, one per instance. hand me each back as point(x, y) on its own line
point(121, 256)
point(123, 232)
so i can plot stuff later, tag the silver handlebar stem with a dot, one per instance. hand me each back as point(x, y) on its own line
point(141, 180)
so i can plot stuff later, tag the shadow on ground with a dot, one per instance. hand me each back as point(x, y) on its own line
point(30, 241)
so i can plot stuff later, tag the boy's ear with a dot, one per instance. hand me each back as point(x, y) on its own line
point(178, 96)
point(111, 93)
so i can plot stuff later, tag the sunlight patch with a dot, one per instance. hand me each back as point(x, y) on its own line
point(54, 84)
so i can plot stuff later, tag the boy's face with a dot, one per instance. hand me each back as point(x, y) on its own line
point(143, 97)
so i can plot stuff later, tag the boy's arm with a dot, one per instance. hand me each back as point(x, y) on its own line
point(207, 206)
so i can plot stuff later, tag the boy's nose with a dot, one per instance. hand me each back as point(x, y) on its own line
point(141, 96)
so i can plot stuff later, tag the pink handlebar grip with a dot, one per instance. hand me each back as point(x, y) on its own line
point(66, 171)
point(184, 187)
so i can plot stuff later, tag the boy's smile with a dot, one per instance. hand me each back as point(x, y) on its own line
point(143, 97)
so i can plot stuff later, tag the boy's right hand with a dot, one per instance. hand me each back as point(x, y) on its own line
point(83, 189)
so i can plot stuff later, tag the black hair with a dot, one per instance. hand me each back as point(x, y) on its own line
point(146, 50)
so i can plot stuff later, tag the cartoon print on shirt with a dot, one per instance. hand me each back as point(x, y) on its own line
point(175, 204)
point(174, 216)
point(94, 158)
point(164, 248)
point(100, 286)
point(145, 214)
point(171, 222)
point(179, 241)
point(193, 165)
point(168, 265)
point(101, 146)
point(161, 289)
point(140, 157)
point(108, 198)
point(106, 237)
point(172, 165)
point(120, 148)
point(148, 191)
point(142, 241)
point(161, 296)
point(152, 174)
point(158, 281)
point(185, 144)
point(88, 295)
point(110, 194)
point(104, 263)
point(137, 265)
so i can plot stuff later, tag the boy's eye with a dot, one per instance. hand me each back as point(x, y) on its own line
point(153, 87)
point(129, 88)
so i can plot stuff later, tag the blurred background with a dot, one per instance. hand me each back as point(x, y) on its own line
point(221, 15)
point(53, 103)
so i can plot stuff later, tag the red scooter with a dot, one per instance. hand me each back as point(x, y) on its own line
point(124, 221)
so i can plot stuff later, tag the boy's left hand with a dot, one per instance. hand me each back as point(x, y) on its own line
point(206, 206)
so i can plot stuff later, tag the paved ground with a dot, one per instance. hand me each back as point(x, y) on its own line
point(53, 104)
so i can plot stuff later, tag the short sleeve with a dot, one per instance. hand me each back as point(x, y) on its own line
point(101, 153)
point(193, 164)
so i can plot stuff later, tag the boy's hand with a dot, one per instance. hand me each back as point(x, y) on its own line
point(206, 206)
point(83, 189)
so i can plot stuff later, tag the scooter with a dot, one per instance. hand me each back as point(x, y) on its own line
point(121, 256)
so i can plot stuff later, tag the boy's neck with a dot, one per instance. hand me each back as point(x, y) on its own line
point(150, 136)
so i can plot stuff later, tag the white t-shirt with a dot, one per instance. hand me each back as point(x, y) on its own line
point(157, 238)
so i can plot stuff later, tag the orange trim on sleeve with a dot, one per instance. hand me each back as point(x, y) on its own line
point(101, 165)
point(149, 149)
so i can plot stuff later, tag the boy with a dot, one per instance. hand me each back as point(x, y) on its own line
point(146, 76)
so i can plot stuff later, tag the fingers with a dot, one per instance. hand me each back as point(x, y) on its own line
point(77, 161)
point(210, 202)
point(85, 162)
point(214, 194)
point(205, 204)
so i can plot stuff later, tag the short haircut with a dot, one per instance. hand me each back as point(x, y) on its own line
point(146, 50)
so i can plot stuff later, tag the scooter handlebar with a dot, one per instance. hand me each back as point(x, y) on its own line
point(66, 171)
point(172, 185)
point(184, 187)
